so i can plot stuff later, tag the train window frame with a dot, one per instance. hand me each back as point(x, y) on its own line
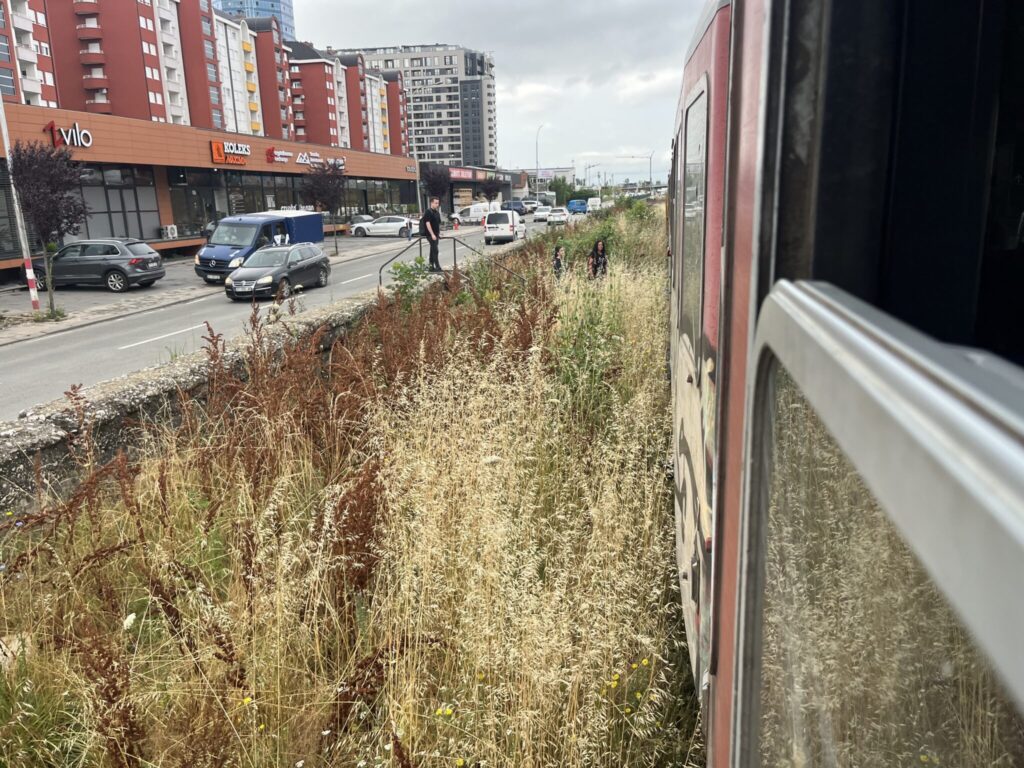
point(957, 499)
point(699, 91)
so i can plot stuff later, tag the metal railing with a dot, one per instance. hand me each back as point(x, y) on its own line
point(455, 257)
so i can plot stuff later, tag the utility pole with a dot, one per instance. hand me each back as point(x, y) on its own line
point(30, 275)
point(536, 159)
point(650, 166)
point(586, 173)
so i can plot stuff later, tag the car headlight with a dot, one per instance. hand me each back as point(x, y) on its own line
point(266, 280)
point(228, 281)
point(197, 258)
point(235, 263)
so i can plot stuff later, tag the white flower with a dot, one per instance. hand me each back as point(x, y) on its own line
point(326, 733)
point(300, 764)
point(129, 620)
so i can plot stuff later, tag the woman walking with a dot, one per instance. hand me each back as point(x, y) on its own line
point(558, 263)
point(597, 261)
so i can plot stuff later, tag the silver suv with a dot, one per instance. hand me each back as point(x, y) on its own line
point(116, 263)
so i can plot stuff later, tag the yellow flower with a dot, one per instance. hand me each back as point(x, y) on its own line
point(439, 712)
point(614, 683)
point(448, 711)
point(645, 662)
point(638, 695)
point(10, 513)
point(263, 727)
point(634, 665)
point(628, 710)
point(480, 676)
point(460, 762)
point(247, 700)
point(615, 676)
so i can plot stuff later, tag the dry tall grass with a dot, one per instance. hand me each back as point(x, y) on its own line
point(450, 545)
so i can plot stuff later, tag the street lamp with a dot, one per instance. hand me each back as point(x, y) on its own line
point(650, 166)
point(586, 173)
point(536, 158)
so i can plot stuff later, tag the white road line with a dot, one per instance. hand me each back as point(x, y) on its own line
point(355, 279)
point(158, 338)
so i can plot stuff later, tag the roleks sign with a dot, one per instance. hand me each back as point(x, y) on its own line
point(230, 152)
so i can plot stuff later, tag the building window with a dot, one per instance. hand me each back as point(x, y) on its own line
point(145, 23)
point(211, 73)
point(207, 29)
point(214, 94)
point(208, 49)
point(5, 48)
point(218, 119)
point(6, 82)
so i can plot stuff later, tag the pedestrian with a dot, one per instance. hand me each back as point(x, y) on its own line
point(597, 261)
point(430, 227)
point(559, 261)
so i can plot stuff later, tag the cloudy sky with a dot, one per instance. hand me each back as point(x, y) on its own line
point(603, 75)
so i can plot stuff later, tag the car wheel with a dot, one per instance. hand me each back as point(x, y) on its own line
point(284, 289)
point(403, 232)
point(40, 281)
point(487, 241)
point(146, 283)
point(360, 233)
point(323, 277)
point(116, 281)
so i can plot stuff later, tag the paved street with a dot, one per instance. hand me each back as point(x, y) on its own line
point(38, 370)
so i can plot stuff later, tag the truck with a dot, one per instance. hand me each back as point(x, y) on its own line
point(236, 238)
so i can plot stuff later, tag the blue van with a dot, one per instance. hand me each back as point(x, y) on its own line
point(577, 206)
point(236, 238)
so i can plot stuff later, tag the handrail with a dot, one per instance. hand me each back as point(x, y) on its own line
point(455, 257)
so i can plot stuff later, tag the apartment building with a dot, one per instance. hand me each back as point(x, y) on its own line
point(355, 93)
point(27, 47)
point(314, 84)
point(282, 10)
point(452, 105)
point(170, 54)
point(272, 68)
point(377, 117)
point(398, 126)
point(239, 79)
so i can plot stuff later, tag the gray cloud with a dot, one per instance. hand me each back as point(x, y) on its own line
point(603, 75)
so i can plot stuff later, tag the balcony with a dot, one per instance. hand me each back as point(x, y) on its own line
point(21, 21)
point(247, 46)
point(254, 107)
point(250, 67)
point(90, 32)
point(85, 7)
point(90, 58)
point(31, 84)
point(250, 87)
point(95, 82)
point(26, 54)
point(256, 127)
point(98, 107)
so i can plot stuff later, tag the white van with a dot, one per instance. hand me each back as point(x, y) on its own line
point(474, 214)
point(594, 204)
point(504, 227)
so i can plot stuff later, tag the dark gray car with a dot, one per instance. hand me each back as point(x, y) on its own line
point(279, 270)
point(116, 263)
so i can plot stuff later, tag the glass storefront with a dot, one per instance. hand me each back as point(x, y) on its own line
point(122, 202)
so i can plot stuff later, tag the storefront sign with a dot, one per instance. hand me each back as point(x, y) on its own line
point(410, 169)
point(309, 158)
point(275, 155)
point(75, 136)
point(230, 152)
point(464, 174)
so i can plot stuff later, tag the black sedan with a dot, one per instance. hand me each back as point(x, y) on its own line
point(278, 271)
point(116, 264)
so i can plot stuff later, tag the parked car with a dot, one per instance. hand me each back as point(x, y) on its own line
point(504, 227)
point(279, 270)
point(514, 205)
point(531, 205)
point(360, 218)
point(541, 214)
point(385, 226)
point(577, 206)
point(558, 216)
point(474, 214)
point(593, 204)
point(116, 263)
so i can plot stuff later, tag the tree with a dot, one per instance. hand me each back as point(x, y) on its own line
point(436, 180)
point(582, 194)
point(323, 187)
point(491, 189)
point(48, 181)
point(561, 189)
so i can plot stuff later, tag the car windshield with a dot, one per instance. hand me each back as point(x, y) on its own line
point(141, 249)
point(497, 218)
point(268, 257)
point(234, 234)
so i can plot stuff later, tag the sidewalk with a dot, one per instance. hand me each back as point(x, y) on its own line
point(15, 302)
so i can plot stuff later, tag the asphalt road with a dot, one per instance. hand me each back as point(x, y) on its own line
point(40, 370)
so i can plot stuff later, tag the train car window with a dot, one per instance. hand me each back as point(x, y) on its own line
point(694, 184)
point(862, 660)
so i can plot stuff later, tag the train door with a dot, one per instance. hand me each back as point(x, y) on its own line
point(693, 504)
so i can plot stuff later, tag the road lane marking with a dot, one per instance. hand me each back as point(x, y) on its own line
point(355, 279)
point(158, 338)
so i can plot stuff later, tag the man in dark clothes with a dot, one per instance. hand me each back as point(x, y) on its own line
point(431, 225)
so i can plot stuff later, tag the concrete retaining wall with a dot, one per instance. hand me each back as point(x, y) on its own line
point(39, 446)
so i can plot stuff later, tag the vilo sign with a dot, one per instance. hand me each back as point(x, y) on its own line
point(75, 136)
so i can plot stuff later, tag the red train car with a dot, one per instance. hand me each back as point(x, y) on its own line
point(846, 229)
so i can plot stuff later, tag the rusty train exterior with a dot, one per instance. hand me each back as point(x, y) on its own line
point(846, 234)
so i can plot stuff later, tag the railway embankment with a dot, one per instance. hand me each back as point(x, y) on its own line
point(442, 537)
